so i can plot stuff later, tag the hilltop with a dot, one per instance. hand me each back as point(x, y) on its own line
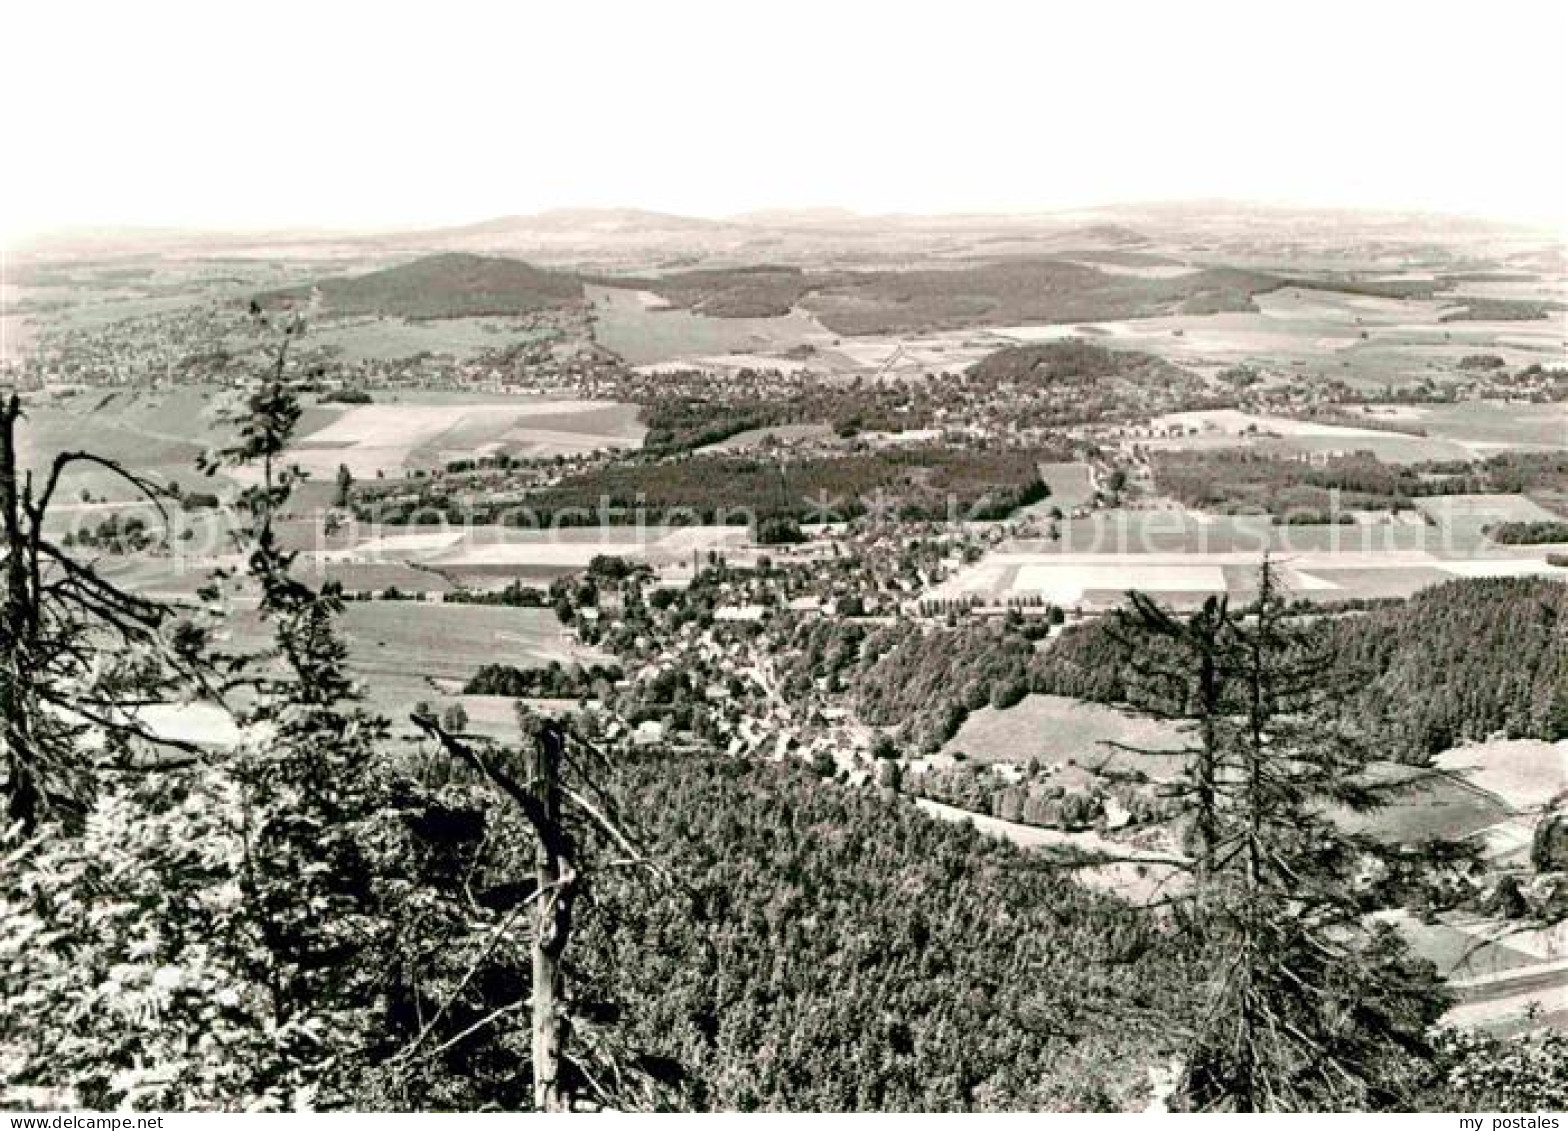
point(449, 285)
point(1075, 379)
point(1073, 361)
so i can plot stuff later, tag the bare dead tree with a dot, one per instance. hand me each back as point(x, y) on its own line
point(554, 809)
point(78, 654)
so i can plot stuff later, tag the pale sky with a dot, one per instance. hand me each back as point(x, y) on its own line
point(277, 113)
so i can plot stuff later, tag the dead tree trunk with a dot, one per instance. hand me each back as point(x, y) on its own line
point(560, 863)
point(59, 621)
point(23, 798)
point(553, 924)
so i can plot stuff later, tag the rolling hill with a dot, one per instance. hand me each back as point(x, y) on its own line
point(1025, 290)
point(1073, 363)
point(1000, 292)
point(450, 285)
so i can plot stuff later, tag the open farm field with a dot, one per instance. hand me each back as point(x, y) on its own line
point(1525, 774)
point(1388, 447)
point(166, 577)
point(1460, 431)
point(1446, 526)
point(1464, 519)
point(410, 638)
point(495, 716)
point(1483, 508)
point(375, 577)
point(1457, 952)
point(1054, 730)
point(1367, 341)
point(395, 438)
point(643, 333)
point(159, 433)
point(1101, 579)
point(1221, 427)
point(1174, 530)
point(405, 651)
point(1071, 484)
point(424, 558)
point(1486, 426)
point(400, 647)
point(1422, 805)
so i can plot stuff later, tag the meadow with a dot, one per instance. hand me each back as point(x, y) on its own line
point(157, 432)
point(1486, 426)
point(1210, 428)
point(1458, 953)
point(1459, 431)
point(436, 558)
point(160, 432)
point(1367, 341)
point(1464, 519)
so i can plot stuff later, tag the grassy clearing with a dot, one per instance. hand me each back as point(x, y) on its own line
point(157, 432)
point(1388, 447)
point(1464, 519)
point(420, 641)
point(401, 638)
point(1457, 953)
point(1368, 342)
point(1229, 427)
point(1321, 563)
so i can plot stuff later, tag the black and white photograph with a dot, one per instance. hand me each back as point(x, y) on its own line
point(823, 558)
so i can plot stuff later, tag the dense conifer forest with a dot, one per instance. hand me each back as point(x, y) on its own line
point(1460, 661)
point(834, 949)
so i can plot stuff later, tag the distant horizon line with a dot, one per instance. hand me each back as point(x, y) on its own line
point(22, 237)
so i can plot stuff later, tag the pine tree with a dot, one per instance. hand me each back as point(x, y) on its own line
point(343, 496)
point(1179, 674)
point(1311, 1005)
point(305, 767)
